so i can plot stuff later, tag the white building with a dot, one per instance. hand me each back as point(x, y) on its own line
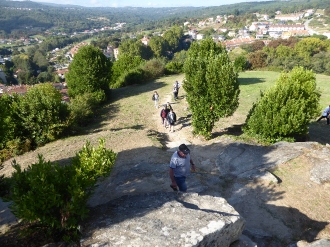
point(200, 36)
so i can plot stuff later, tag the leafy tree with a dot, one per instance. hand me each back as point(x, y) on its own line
point(255, 46)
point(211, 85)
point(283, 51)
point(284, 111)
point(40, 60)
point(124, 63)
point(320, 63)
point(90, 71)
point(240, 63)
point(5, 122)
point(172, 37)
point(40, 116)
point(176, 65)
point(135, 47)
point(45, 77)
point(309, 47)
point(158, 45)
point(257, 59)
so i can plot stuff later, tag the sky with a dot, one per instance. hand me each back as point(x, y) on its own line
point(146, 3)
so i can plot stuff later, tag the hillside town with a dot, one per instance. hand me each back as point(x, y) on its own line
point(282, 26)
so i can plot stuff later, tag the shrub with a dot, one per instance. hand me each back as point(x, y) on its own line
point(154, 68)
point(240, 63)
point(40, 115)
point(55, 196)
point(284, 111)
point(133, 76)
point(82, 107)
point(174, 67)
point(125, 63)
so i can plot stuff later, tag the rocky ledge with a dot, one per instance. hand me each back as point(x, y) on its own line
point(163, 219)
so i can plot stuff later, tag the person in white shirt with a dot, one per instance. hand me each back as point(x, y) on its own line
point(155, 98)
point(180, 165)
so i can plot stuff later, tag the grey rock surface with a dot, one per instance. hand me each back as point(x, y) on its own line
point(320, 243)
point(240, 160)
point(164, 219)
point(320, 173)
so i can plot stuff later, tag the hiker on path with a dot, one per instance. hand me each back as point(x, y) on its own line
point(176, 87)
point(168, 107)
point(163, 115)
point(325, 114)
point(171, 119)
point(155, 98)
point(180, 168)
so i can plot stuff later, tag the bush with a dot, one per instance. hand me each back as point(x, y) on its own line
point(240, 63)
point(55, 196)
point(174, 67)
point(133, 76)
point(39, 116)
point(82, 107)
point(154, 68)
point(284, 112)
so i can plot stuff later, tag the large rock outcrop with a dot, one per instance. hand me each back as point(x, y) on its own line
point(164, 219)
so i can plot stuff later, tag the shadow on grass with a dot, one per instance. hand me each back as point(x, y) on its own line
point(110, 109)
point(134, 127)
point(249, 81)
point(133, 90)
point(234, 130)
point(319, 132)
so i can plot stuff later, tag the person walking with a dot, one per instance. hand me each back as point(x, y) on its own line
point(163, 115)
point(325, 114)
point(176, 87)
point(168, 107)
point(180, 168)
point(155, 98)
point(171, 119)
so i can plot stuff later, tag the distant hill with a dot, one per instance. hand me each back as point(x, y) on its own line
point(26, 17)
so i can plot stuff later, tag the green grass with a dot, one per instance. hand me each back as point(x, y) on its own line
point(252, 83)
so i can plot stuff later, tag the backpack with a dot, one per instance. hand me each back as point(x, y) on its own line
point(153, 97)
point(163, 114)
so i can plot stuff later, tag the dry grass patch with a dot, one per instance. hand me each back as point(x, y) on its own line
point(301, 193)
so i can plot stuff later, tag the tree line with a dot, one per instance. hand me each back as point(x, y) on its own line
point(40, 17)
point(284, 54)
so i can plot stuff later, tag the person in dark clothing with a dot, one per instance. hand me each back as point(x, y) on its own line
point(171, 119)
point(163, 115)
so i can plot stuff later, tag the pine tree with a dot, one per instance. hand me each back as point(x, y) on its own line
point(211, 85)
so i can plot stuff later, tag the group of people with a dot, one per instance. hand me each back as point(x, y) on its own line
point(181, 161)
point(168, 117)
